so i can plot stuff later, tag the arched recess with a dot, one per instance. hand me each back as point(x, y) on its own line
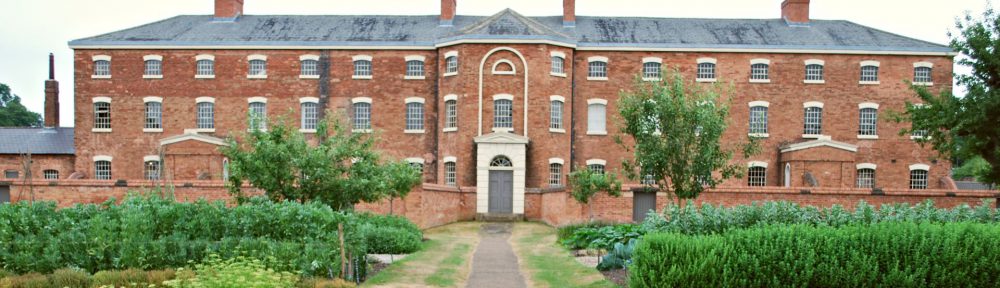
point(482, 65)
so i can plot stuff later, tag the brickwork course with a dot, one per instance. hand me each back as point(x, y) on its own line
point(504, 56)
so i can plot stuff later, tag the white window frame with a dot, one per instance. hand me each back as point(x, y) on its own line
point(756, 164)
point(866, 63)
point(302, 112)
point(607, 67)
point(813, 104)
point(94, 60)
point(406, 116)
point(159, 167)
point(145, 60)
point(101, 99)
point(152, 99)
point(417, 161)
point(423, 64)
point(200, 100)
point(597, 101)
point(507, 97)
point(822, 65)
point(857, 172)
point(249, 66)
point(354, 67)
point(447, 55)
point(656, 60)
point(207, 57)
point(371, 107)
point(923, 64)
point(562, 114)
point(767, 72)
point(110, 161)
point(47, 174)
point(450, 97)
point(513, 69)
point(451, 180)
point(715, 69)
point(562, 56)
point(252, 100)
point(921, 167)
point(309, 57)
point(767, 117)
point(868, 105)
point(559, 180)
point(600, 162)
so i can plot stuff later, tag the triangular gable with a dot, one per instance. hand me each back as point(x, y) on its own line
point(821, 142)
point(192, 136)
point(508, 23)
point(502, 138)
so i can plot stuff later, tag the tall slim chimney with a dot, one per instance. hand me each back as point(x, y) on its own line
point(569, 13)
point(52, 96)
point(447, 12)
point(795, 11)
point(228, 9)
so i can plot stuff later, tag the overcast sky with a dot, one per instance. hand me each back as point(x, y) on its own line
point(30, 29)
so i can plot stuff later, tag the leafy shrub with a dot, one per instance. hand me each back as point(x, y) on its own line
point(389, 234)
point(68, 277)
point(562, 233)
point(891, 254)
point(604, 237)
point(235, 272)
point(618, 257)
point(30, 280)
point(156, 233)
point(118, 278)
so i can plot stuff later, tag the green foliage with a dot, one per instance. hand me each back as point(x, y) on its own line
point(965, 127)
point(586, 183)
point(67, 277)
point(155, 233)
point(235, 272)
point(676, 128)
point(604, 237)
point(389, 234)
point(976, 168)
point(620, 256)
point(562, 233)
point(900, 254)
point(13, 113)
point(337, 168)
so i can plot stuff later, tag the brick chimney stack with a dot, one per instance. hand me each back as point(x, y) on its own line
point(569, 13)
point(795, 11)
point(447, 12)
point(52, 96)
point(228, 9)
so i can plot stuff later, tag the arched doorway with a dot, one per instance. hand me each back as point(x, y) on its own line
point(501, 185)
point(788, 175)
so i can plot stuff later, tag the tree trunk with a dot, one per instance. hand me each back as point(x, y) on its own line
point(390, 204)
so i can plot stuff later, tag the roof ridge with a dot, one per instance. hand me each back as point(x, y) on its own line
point(534, 26)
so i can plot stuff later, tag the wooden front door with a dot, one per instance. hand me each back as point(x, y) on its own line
point(501, 191)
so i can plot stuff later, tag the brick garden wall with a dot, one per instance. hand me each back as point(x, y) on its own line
point(434, 205)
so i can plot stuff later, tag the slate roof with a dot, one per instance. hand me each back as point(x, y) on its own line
point(37, 140)
point(425, 31)
point(972, 185)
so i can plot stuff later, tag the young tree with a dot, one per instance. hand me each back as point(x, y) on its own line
point(965, 127)
point(341, 169)
point(586, 183)
point(13, 113)
point(676, 130)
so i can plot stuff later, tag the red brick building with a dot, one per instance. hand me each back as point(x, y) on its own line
point(506, 104)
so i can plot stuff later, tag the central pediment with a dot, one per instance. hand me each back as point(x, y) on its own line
point(501, 138)
point(823, 141)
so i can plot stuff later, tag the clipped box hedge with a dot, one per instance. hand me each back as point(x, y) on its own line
point(899, 254)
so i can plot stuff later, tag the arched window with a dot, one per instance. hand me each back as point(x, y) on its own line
point(362, 68)
point(204, 66)
point(706, 69)
point(415, 68)
point(557, 65)
point(813, 119)
point(414, 115)
point(501, 161)
point(922, 73)
point(758, 118)
point(102, 114)
point(451, 113)
point(503, 113)
point(362, 120)
point(102, 67)
point(555, 174)
point(154, 114)
point(152, 169)
point(258, 114)
point(450, 173)
point(258, 66)
point(814, 73)
point(760, 70)
point(310, 114)
point(918, 176)
point(556, 113)
point(651, 67)
point(757, 174)
point(309, 67)
point(206, 113)
point(102, 168)
point(451, 63)
point(597, 68)
point(596, 117)
point(868, 122)
point(866, 178)
point(50, 174)
point(153, 66)
point(869, 72)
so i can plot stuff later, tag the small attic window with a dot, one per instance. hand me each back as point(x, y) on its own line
point(503, 67)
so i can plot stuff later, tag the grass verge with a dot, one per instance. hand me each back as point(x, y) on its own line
point(546, 264)
point(443, 261)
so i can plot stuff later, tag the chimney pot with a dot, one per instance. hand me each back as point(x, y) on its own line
point(569, 13)
point(795, 11)
point(51, 96)
point(228, 9)
point(448, 12)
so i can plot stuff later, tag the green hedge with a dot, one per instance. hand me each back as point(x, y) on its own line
point(389, 234)
point(879, 255)
point(155, 233)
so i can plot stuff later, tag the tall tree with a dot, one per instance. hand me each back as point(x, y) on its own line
point(586, 183)
point(340, 169)
point(969, 126)
point(676, 130)
point(13, 113)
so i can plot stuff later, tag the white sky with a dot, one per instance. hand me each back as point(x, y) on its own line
point(30, 29)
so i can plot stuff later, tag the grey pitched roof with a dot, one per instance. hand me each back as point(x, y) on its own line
point(375, 30)
point(37, 140)
point(972, 185)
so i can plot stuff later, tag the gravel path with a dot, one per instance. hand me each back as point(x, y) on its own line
point(494, 263)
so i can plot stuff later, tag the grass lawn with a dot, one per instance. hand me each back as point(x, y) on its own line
point(546, 264)
point(444, 261)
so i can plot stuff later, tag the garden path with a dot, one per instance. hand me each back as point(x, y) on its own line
point(494, 263)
